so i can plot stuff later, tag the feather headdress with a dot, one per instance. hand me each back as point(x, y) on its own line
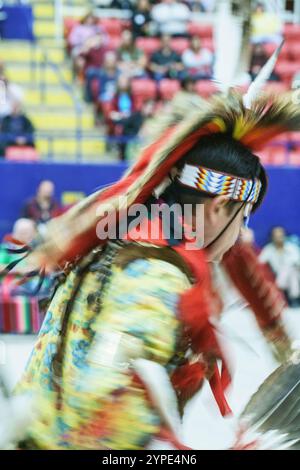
point(74, 233)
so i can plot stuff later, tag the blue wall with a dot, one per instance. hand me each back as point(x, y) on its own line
point(18, 182)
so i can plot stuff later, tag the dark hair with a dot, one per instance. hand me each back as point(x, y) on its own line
point(186, 81)
point(220, 152)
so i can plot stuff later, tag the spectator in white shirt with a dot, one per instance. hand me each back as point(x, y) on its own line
point(198, 60)
point(284, 259)
point(171, 17)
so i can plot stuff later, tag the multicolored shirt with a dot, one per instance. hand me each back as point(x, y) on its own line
point(94, 403)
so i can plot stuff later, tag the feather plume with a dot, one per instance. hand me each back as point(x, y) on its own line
point(74, 233)
point(272, 416)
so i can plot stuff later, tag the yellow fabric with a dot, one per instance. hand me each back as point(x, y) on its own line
point(101, 408)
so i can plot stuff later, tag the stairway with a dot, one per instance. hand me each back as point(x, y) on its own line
point(51, 97)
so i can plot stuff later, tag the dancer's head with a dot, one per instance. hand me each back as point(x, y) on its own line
point(224, 210)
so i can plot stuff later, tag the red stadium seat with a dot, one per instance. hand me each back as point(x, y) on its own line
point(292, 31)
point(69, 24)
point(294, 137)
point(206, 88)
point(278, 155)
point(112, 26)
point(275, 87)
point(201, 30)
point(114, 42)
point(294, 157)
point(22, 154)
point(143, 89)
point(179, 45)
point(168, 88)
point(148, 45)
point(286, 70)
point(208, 43)
point(294, 50)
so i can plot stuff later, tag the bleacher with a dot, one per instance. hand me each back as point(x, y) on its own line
point(66, 124)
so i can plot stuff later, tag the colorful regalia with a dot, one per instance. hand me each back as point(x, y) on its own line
point(129, 336)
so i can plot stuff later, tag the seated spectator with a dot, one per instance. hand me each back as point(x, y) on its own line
point(198, 60)
point(42, 207)
point(266, 26)
point(258, 60)
point(283, 258)
point(92, 54)
point(12, 93)
point(166, 63)
point(141, 19)
point(123, 113)
point(83, 31)
point(16, 129)
point(131, 59)
point(171, 17)
point(105, 78)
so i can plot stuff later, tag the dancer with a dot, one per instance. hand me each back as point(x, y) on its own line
point(135, 314)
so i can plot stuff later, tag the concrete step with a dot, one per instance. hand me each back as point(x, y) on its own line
point(25, 74)
point(44, 28)
point(70, 146)
point(44, 120)
point(43, 10)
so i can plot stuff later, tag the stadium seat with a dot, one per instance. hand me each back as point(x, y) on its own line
point(275, 87)
point(294, 137)
point(206, 88)
point(201, 30)
point(112, 26)
point(294, 51)
point(143, 89)
point(148, 45)
point(208, 43)
point(292, 31)
point(286, 70)
point(21, 154)
point(278, 155)
point(69, 23)
point(168, 88)
point(180, 44)
point(294, 157)
point(114, 42)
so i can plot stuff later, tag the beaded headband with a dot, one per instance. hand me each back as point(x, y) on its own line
point(214, 182)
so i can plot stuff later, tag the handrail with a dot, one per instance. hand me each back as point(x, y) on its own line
point(78, 108)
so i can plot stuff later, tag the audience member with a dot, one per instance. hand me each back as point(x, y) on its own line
point(198, 60)
point(131, 59)
point(171, 17)
point(80, 33)
point(258, 60)
point(43, 206)
point(284, 259)
point(92, 53)
point(166, 63)
point(266, 26)
point(16, 129)
point(104, 77)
